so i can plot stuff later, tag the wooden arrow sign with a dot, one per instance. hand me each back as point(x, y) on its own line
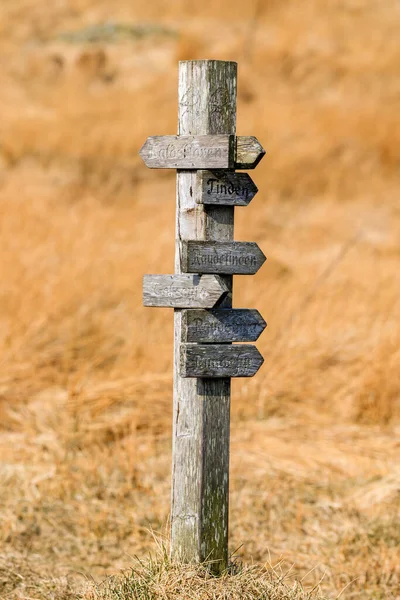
point(219, 360)
point(222, 325)
point(241, 258)
point(201, 152)
point(249, 152)
point(189, 152)
point(183, 291)
point(225, 188)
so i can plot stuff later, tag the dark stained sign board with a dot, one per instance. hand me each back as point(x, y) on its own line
point(226, 188)
point(222, 325)
point(219, 360)
point(241, 258)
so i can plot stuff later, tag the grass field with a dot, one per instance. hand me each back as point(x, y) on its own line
point(86, 372)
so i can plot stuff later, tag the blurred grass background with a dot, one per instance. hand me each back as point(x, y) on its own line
point(85, 379)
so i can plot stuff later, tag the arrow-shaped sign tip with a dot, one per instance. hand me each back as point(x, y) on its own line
point(262, 256)
point(257, 151)
point(142, 151)
point(249, 152)
point(263, 323)
point(260, 360)
point(219, 282)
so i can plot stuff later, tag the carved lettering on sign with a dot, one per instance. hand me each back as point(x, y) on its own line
point(223, 259)
point(188, 151)
point(204, 363)
point(216, 187)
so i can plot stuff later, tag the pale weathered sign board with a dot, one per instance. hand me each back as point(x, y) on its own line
point(240, 258)
point(222, 325)
point(220, 360)
point(201, 152)
point(183, 291)
point(189, 152)
point(225, 188)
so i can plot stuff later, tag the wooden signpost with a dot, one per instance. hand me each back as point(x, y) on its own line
point(206, 153)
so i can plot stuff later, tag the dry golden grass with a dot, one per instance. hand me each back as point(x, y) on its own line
point(159, 578)
point(85, 409)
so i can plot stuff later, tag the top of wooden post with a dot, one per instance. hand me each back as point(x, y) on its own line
point(207, 97)
point(208, 60)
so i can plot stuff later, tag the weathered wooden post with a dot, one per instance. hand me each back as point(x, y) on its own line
point(206, 153)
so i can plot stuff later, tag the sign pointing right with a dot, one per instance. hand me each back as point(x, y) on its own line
point(249, 152)
point(226, 188)
point(219, 360)
point(241, 258)
point(222, 325)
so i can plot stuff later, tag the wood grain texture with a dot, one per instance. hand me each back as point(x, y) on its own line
point(183, 291)
point(219, 360)
point(200, 474)
point(249, 152)
point(221, 325)
point(189, 152)
point(226, 188)
point(240, 258)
